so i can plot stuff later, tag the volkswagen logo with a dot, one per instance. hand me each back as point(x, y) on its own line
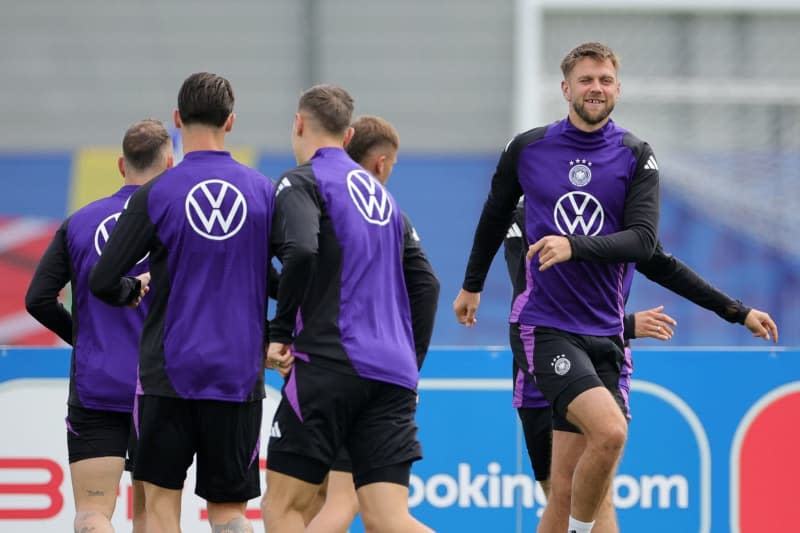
point(370, 197)
point(215, 209)
point(578, 213)
point(103, 231)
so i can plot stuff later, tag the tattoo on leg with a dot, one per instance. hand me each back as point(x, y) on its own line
point(98, 492)
point(237, 525)
point(85, 529)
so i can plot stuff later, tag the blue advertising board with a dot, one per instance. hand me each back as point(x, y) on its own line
point(711, 429)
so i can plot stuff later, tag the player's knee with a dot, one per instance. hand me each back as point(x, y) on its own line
point(611, 438)
point(275, 506)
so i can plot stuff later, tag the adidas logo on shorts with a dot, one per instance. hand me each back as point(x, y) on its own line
point(275, 431)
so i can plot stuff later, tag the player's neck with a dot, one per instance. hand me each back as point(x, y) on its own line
point(198, 137)
point(582, 125)
point(139, 179)
point(311, 148)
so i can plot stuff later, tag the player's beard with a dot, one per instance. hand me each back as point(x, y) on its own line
point(603, 114)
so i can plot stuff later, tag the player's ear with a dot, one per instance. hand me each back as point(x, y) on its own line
point(348, 136)
point(229, 122)
point(299, 124)
point(170, 160)
point(176, 118)
point(121, 165)
point(565, 89)
point(380, 165)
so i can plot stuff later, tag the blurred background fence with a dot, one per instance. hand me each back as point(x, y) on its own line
point(714, 87)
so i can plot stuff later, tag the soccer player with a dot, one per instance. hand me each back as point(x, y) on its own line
point(104, 340)
point(591, 200)
point(533, 410)
point(374, 146)
point(343, 326)
point(205, 224)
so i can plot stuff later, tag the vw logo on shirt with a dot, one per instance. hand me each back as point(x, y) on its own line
point(103, 231)
point(215, 209)
point(370, 197)
point(578, 213)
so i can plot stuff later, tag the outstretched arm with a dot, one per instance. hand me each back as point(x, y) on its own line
point(671, 273)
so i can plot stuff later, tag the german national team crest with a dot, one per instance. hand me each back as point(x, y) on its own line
point(580, 172)
point(561, 364)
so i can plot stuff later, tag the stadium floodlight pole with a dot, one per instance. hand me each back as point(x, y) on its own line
point(526, 111)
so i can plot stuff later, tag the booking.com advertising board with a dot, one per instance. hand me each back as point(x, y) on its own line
point(712, 445)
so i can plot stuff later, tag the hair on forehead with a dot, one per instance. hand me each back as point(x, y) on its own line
point(594, 50)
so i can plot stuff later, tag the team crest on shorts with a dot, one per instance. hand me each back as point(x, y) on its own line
point(580, 172)
point(561, 364)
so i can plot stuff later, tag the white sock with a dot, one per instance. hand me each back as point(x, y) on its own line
point(576, 526)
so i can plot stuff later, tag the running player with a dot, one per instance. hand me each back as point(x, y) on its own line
point(591, 191)
point(104, 340)
point(205, 224)
point(374, 146)
point(343, 326)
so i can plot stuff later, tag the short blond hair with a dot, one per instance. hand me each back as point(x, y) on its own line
point(595, 50)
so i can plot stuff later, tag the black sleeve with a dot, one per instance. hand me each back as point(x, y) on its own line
point(273, 279)
point(514, 249)
point(423, 290)
point(295, 240)
point(629, 323)
point(51, 275)
point(498, 211)
point(673, 274)
point(637, 240)
point(130, 240)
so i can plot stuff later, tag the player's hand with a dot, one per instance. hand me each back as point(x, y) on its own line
point(552, 250)
point(279, 357)
point(145, 288)
point(465, 306)
point(761, 325)
point(654, 323)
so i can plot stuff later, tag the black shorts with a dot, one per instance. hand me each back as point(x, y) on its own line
point(94, 433)
point(342, 463)
point(567, 364)
point(224, 435)
point(526, 393)
point(321, 411)
point(537, 426)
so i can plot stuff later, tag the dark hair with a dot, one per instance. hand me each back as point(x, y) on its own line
point(144, 142)
point(371, 132)
point(330, 105)
point(597, 51)
point(205, 98)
